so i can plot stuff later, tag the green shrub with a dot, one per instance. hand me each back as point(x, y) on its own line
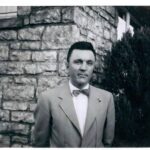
point(127, 75)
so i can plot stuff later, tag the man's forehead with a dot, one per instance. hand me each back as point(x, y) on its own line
point(82, 54)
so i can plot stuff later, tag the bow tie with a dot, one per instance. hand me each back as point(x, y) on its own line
point(83, 91)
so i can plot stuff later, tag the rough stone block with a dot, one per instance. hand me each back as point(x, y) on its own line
point(4, 141)
point(8, 35)
point(113, 35)
point(83, 32)
point(54, 73)
point(4, 49)
point(62, 56)
point(15, 68)
point(32, 107)
point(23, 10)
point(30, 33)
point(25, 80)
point(111, 10)
point(90, 23)
point(97, 27)
point(97, 9)
point(108, 45)
point(9, 105)
point(4, 115)
point(48, 81)
point(5, 80)
point(63, 71)
point(90, 12)
point(31, 68)
point(22, 117)
point(56, 37)
point(91, 35)
point(26, 20)
point(85, 9)
point(4, 127)
point(21, 56)
point(93, 14)
point(46, 15)
point(19, 92)
point(107, 34)
point(15, 45)
point(68, 14)
point(44, 56)
point(19, 139)
point(113, 22)
point(35, 68)
point(3, 68)
point(80, 17)
point(11, 68)
point(30, 45)
point(19, 128)
point(107, 25)
point(104, 14)
point(99, 43)
point(14, 128)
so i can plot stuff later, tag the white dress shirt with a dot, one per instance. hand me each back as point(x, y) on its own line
point(81, 104)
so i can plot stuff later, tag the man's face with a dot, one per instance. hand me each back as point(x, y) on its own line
point(81, 66)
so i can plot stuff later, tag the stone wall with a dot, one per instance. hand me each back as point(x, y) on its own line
point(33, 49)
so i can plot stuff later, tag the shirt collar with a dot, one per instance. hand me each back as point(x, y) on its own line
point(72, 87)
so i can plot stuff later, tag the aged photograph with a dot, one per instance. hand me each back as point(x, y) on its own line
point(75, 76)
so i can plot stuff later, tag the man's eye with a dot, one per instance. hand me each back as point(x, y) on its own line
point(78, 62)
point(90, 63)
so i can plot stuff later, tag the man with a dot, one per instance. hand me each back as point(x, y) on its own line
point(75, 114)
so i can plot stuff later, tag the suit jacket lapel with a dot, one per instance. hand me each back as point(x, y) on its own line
point(92, 109)
point(66, 104)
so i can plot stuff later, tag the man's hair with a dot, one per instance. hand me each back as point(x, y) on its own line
point(81, 45)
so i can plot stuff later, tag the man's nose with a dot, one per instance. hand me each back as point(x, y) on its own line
point(83, 66)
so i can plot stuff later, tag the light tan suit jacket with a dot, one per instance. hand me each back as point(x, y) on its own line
point(56, 123)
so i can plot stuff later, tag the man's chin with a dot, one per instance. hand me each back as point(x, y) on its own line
point(82, 82)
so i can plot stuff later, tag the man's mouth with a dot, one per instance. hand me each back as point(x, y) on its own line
point(82, 75)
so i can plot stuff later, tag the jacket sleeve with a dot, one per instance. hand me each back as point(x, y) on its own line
point(42, 115)
point(110, 124)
